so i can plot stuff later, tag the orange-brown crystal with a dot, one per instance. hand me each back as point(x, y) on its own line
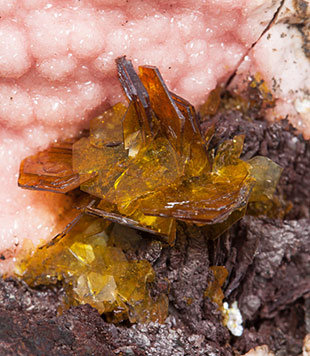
point(214, 289)
point(51, 170)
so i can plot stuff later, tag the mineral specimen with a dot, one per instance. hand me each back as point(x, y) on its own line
point(145, 166)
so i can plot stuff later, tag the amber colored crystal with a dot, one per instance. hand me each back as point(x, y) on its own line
point(211, 197)
point(132, 134)
point(105, 164)
point(200, 201)
point(177, 118)
point(165, 227)
point(106, 129)
point(266, 174)
point(137, 94)
point(89, 259)
point(212, 103)
point(214, 289)
point(170, 117)
point(262, 202)
point(51, 170)
point(154, 167)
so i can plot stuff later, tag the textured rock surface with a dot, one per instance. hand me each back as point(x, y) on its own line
point(276, 285)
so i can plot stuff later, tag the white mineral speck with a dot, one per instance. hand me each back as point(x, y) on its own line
point(302, 106)
point(234, 323)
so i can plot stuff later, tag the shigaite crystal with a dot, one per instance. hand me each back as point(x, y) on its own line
point(146, 166)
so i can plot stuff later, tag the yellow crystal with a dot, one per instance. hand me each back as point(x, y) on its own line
point(106, 129)
point(95, 271)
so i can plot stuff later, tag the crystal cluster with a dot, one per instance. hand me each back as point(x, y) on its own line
point(146, 165)
point(89, 257)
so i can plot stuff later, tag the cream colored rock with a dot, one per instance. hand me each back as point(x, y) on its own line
point(260, 351)
point(306, 347)
point(282, 58)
